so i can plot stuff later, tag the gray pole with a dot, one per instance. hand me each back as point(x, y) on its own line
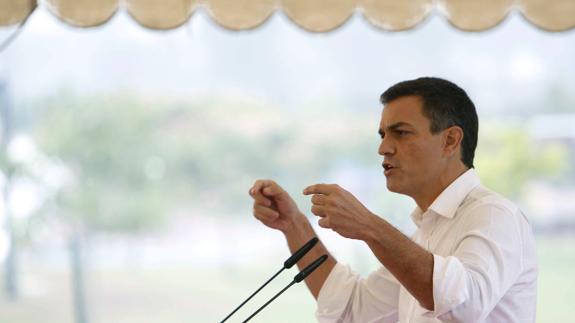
point(10, 272)
point(78, 279)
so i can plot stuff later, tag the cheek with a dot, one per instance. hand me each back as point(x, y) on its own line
point(422, 154)
point(416, 151)
point(431, 153)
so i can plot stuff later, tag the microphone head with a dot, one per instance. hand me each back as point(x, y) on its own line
point(309, 269)
point(300, 253)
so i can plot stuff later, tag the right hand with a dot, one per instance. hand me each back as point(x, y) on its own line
point(273, 206)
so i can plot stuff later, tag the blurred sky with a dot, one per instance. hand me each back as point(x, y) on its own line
point(513, 62)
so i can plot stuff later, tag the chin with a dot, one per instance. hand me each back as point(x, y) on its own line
point(392, 187)
point(395, 186)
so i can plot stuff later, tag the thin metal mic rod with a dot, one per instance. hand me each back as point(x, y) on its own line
point(298, 278)
point(271, 300)
point(292, 260)
point(252, 295)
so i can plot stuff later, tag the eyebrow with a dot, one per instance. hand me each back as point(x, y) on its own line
point(394, 127)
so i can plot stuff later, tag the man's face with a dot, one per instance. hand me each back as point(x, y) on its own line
point(412, 155)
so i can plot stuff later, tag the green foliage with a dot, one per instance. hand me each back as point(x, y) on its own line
point(133, 162)
point(105, 144)
point(507, 158)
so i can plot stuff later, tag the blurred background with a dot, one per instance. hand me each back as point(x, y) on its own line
point(127, 154)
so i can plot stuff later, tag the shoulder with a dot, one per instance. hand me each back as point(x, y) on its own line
point(483, 205)
point(482, 196)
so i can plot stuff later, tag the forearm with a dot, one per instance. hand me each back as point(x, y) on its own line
point(297, 235)
point(411, 264)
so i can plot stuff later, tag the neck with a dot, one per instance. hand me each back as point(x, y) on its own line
point(429, 194)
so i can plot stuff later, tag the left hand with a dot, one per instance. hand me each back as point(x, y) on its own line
point(340, 211)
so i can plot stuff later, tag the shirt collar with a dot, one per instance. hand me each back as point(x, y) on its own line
point(449, 200)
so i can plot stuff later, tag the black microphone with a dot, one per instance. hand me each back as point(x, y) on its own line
point(300, 253)
point(298, 278)
point(292, 260)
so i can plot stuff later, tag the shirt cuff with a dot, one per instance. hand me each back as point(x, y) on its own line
point(334, 294)
point(449, 285)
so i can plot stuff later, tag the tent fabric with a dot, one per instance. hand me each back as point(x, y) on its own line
point(311, 15)
point(14, 12)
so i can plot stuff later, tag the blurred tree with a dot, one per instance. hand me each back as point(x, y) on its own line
point(113, 159)
point(7, 168)
point(507, 158)
point(114, 165)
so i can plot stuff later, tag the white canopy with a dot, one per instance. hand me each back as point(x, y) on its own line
point(311, 15)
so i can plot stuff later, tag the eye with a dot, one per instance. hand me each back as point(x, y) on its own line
point(402, 132)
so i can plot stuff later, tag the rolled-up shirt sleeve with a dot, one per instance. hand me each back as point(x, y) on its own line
point(485, 263)
point(346, 297)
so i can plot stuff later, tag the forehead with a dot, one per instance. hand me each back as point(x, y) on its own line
point(407, 109)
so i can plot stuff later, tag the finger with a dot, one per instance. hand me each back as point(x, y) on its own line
point(325, 189)
point(262, 200)
point(272, 190)
point(318, 210)
point(324, 223)
point(258, 186)
point(259, 200)
point(319, 199)
point(256, 193)
point(263, 213)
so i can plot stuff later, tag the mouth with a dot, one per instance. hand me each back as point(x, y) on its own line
point(388, 168)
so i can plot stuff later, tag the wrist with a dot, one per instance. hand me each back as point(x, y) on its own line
point(295, 224)
point(373, 229)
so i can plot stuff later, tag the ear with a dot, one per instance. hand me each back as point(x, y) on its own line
point(452, 138)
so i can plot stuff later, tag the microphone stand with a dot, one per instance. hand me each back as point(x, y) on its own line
point(271, 300)
point(298, 278)
point(292, 260)
point(252, 295)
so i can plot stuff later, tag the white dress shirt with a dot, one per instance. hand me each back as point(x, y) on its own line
point(485, 267)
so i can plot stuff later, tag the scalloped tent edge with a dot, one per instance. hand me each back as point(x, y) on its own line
point(238, 15)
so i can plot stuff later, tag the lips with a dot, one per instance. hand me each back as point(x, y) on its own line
point(388, 168)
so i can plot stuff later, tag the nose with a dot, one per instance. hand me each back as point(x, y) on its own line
point(386, 147)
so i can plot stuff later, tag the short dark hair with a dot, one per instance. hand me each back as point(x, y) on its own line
point(445, 105)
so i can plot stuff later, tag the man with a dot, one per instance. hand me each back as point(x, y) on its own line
point(472, 258)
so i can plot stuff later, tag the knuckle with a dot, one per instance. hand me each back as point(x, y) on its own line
point(316, 210)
